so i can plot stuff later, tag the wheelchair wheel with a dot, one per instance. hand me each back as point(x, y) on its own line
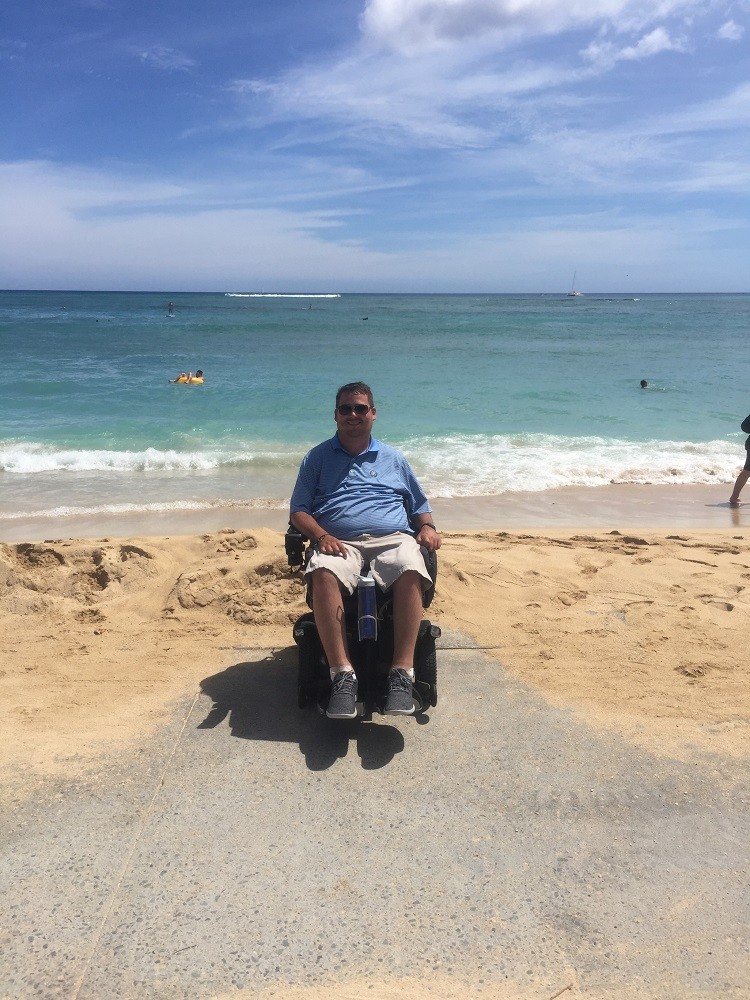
point(308, 660)
point(425, 663)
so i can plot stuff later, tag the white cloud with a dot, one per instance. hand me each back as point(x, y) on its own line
point(652, 44)
point(730, 112)
point(72, 228)
point(605, 54)
point(411, 26)
point(730, 31)
point(438, 77)
point(526, 128)
point(381, 97)
point(481, 135)
point(714, 176)
point(66, 228)
point(165, 58)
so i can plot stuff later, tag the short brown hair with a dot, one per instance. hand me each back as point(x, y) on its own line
point(359, 388)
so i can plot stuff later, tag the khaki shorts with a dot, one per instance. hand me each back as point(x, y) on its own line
point(389, 556)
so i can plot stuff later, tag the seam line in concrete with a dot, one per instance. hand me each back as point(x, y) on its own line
point(108, 906)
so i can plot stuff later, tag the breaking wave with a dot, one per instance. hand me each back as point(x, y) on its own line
point(448, 466)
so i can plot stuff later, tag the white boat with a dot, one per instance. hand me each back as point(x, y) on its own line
point(573, 290)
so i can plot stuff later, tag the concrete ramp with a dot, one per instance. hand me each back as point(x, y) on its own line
point(498, 842)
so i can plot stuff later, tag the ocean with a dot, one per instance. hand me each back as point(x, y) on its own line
point(486, 394)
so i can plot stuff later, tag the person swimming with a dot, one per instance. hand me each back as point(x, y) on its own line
point(187, 378)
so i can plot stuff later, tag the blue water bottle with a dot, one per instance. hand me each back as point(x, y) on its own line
point(367, 611)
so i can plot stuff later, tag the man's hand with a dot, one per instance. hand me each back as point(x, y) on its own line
point(330, 546)
point(429, 537)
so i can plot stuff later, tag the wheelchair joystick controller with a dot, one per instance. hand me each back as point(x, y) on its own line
point(367, 614)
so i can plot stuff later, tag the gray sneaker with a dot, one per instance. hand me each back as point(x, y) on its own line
point(343, 701)
point(398, 698)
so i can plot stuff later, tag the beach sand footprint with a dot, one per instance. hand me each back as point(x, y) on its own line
point(590, 566)
point(694, 672)
point(718, 602)
point(571, 597)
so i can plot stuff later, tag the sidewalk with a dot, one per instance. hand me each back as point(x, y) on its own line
point(501, 840)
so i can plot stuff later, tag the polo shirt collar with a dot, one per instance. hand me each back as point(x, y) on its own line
point(374, 445)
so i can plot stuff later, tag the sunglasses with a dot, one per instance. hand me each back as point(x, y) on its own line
point(346, 409)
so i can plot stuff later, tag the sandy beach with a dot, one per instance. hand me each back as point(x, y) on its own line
point(639, 629)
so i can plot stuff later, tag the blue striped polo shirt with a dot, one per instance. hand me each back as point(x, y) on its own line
point(373, 493)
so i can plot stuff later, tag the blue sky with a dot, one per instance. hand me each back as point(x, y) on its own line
point(375, 145)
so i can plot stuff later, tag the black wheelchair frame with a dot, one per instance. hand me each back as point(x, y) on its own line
point(371, 659)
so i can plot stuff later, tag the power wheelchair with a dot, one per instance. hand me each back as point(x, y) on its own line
point(371, 659)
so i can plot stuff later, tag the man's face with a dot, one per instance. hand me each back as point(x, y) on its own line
point(352, 424)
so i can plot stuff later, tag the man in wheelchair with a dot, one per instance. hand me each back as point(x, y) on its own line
point(359, 503)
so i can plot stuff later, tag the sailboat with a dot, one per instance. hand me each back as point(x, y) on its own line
point(573, 290)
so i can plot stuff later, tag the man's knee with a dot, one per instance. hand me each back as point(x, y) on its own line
point(325, 583)
point(407, 593)
point(409, 579)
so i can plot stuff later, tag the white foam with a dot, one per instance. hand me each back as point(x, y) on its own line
point(257, 503)
point(281, 295)
point(453, 466)
point(489, 465)
point(30, 458)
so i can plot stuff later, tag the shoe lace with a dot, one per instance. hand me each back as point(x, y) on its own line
point(343, 682)
point(399, 681)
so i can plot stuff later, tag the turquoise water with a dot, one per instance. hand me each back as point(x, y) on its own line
point(485, 394)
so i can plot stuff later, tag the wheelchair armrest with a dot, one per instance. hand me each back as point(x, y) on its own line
point(294, 544)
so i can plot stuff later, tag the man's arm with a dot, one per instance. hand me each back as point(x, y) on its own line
point(421, 523)
point(302, 497)
point(309, 526)
point(426, 532)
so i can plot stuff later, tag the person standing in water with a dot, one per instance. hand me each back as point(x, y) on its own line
point(734, 500)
